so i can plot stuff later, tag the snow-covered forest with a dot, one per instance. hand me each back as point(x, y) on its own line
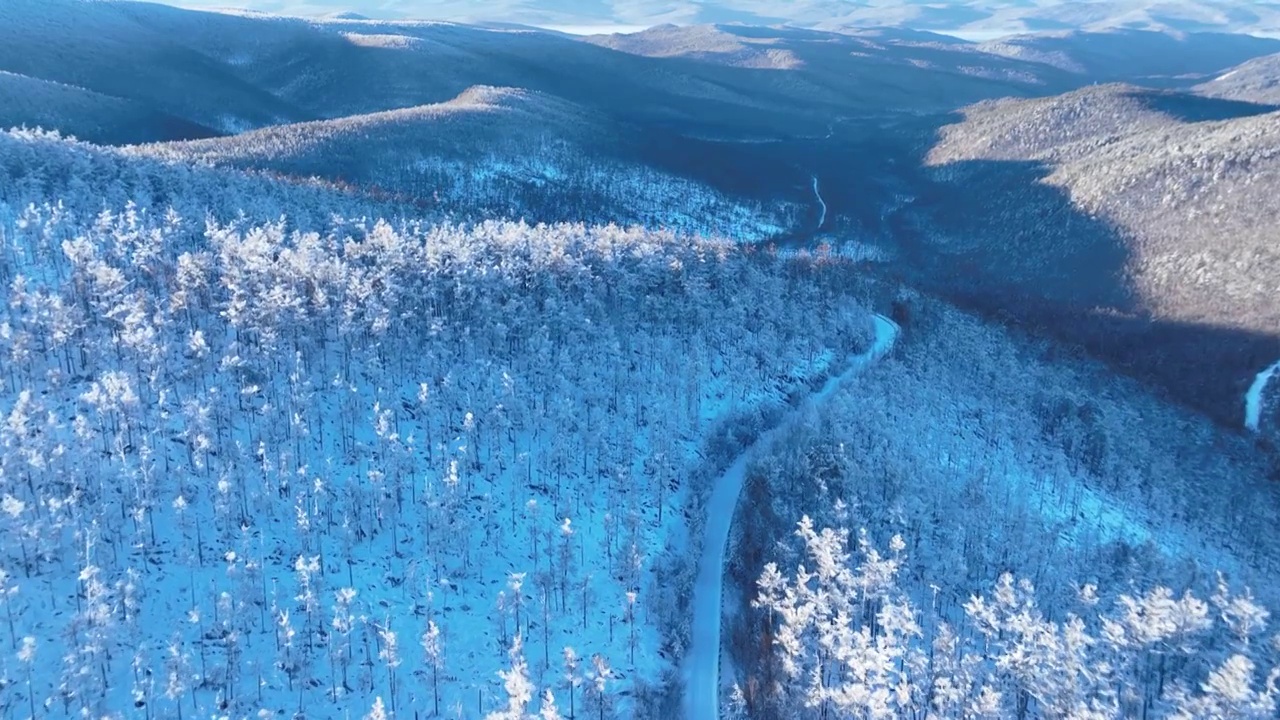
point(495, 153)
point(302, 464)
point(991, 529)
point(298, 448)
point(416, 370)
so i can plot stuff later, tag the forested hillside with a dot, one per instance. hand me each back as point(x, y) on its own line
point(254, 71)
point(1148, 56)
point(302, 463)
point(380, 369)
point(31, 102)
point(1257, 80)
point(1012, 532)
point(497, 153)
point(39, 167)
point(1143, 226)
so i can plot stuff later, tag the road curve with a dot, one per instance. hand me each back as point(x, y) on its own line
point(702, 662)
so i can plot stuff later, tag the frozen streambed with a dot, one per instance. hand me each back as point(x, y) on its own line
point(822, 204)
point(1253, 398)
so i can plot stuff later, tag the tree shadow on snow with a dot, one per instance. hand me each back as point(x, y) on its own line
point(1196, 108)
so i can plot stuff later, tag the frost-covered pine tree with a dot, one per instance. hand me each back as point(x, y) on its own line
point(389, 654)
point(548, 710)
point(572, 675)
point(598, 695)
point(433, 652)
point(857, 647)
point(343, 626)
point(515, 680)
point(378, 711)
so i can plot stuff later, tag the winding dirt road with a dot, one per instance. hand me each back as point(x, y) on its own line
point(702, 663)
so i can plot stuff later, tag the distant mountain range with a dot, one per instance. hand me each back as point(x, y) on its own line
point(975, 16)
point(124, 71)
point(255, 71)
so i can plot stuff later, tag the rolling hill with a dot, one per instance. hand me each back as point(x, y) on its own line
point(86, 114)
point(1148, 57)
point(481, 117)
point(255, 70)
point(1136, 221)
point(495, 152)
point(152, 55)
point(730, 81)
point(1256, 80)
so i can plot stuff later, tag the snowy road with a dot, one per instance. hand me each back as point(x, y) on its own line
point(1253, 399)
point(702, 663)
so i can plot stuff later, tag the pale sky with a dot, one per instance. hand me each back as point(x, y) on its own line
point(593, 12)
point(371, 8)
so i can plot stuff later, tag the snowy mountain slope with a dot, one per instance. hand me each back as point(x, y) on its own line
point(86, 179)
point(256, 70)
point(497, 152)
point(281, 462)
point(479, 118)
point(1143, 56)
point(1156, 205)
point(150, 54)
point(86, 114)
point(1256, 80)
point(1026, 463)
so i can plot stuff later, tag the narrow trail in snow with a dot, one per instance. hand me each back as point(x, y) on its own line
point(1253, 398)
point(822, 205)
point(702, 663)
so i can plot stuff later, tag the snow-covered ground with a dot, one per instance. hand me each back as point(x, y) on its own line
point(291, 465)
point(702, 663)
point(1049, 466)
point(981, 459)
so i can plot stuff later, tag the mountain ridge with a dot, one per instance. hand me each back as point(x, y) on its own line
point(956, 15)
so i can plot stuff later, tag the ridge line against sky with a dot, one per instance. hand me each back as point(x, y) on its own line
point(977, 19)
